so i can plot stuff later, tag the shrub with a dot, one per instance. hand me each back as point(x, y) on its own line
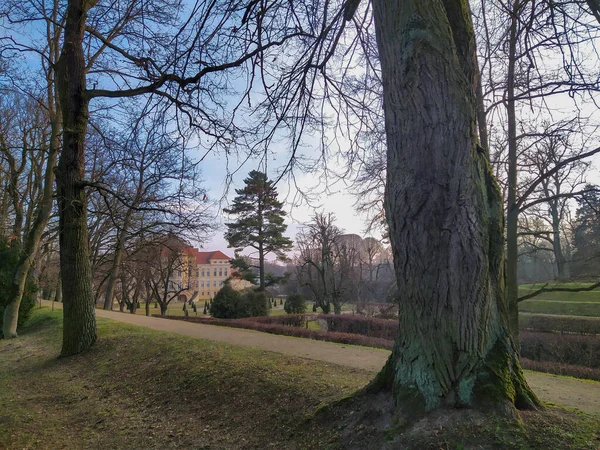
point(274, 328)
point(379, 310)
point(295, 304)
point(560, 324)
point(367, 326)
point(252, 304)
point(231, 304)
point(9, 258)
point(569, 349)
point(225, 303)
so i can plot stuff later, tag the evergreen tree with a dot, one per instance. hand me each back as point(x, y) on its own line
point(587, 234)
point(259, 225)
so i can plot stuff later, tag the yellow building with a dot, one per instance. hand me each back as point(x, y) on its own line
point(204, 274)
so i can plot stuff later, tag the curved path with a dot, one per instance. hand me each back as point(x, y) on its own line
point(568, 392)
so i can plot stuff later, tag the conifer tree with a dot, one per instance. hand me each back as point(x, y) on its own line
point(260, 222)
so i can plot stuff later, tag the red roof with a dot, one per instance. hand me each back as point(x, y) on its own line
point(205, 257)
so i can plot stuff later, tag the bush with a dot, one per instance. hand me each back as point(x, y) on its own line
point(560, 324)
point(231, 304)
point(252, 304)
point(569, 349)
point(379, 310)
point(9, 258)
point(367, 326)
point(225, 303)
point(275, 328)
point(295, 304)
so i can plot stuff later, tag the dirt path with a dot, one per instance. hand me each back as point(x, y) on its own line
point(583, 395)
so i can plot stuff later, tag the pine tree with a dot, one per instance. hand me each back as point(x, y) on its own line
point(259, 222)
point(586, 238)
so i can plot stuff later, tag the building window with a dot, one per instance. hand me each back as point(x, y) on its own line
point(220, 283)
point(203, 284)
point(215, 272)
point(202, 272)
point(220, 272)
point(225, 272)
point(197, 273)
point(214, 284)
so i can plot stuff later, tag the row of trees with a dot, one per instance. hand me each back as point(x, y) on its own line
point(340, 268)
point(413, 60)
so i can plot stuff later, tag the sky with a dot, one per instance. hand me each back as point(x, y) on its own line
point(338, 201)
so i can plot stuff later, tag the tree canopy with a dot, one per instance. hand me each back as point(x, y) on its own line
point(260, 221)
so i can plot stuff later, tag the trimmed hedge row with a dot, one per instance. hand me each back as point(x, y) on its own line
point(571, 354)
point(366, 326)
point(561, 369)
point(559, 324)
point(340, 323)
point(286, 330)
point(569, 349)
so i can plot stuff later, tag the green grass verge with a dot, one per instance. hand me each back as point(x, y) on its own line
point(558, 307)
point(585, 296)
point(139, 388)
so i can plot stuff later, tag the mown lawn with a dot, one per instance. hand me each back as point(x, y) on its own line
point(565, 303)
point(139, 388)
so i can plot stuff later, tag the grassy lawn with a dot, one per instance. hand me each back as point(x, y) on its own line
point(564, 303)
point(139, 388)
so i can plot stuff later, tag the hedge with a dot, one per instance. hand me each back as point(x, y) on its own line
point(559, 324)
point(286, 330)
point(561, 369)
point(569, 349)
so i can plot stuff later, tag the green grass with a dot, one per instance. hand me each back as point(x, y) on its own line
point(565, 303)
point(139, 388)
point(562, 308)
point(585, 296)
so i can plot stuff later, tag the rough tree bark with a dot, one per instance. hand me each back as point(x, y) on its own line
point(444, 210)
point(79, 331)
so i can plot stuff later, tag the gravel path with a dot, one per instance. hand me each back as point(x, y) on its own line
point(583, 395)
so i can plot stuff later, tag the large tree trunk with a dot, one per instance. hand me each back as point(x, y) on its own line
point(79, 329)
point(444, 210)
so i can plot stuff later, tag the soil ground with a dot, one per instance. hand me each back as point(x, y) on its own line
point(564, 391)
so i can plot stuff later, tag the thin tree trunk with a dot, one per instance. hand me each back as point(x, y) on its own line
point(561, 263)
point(117, 260)
point(444, 209)
point(58, 297)
point(79, 329)
point(114, 273)
point(512, 213)
point(261, 263)
point(34, 236)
